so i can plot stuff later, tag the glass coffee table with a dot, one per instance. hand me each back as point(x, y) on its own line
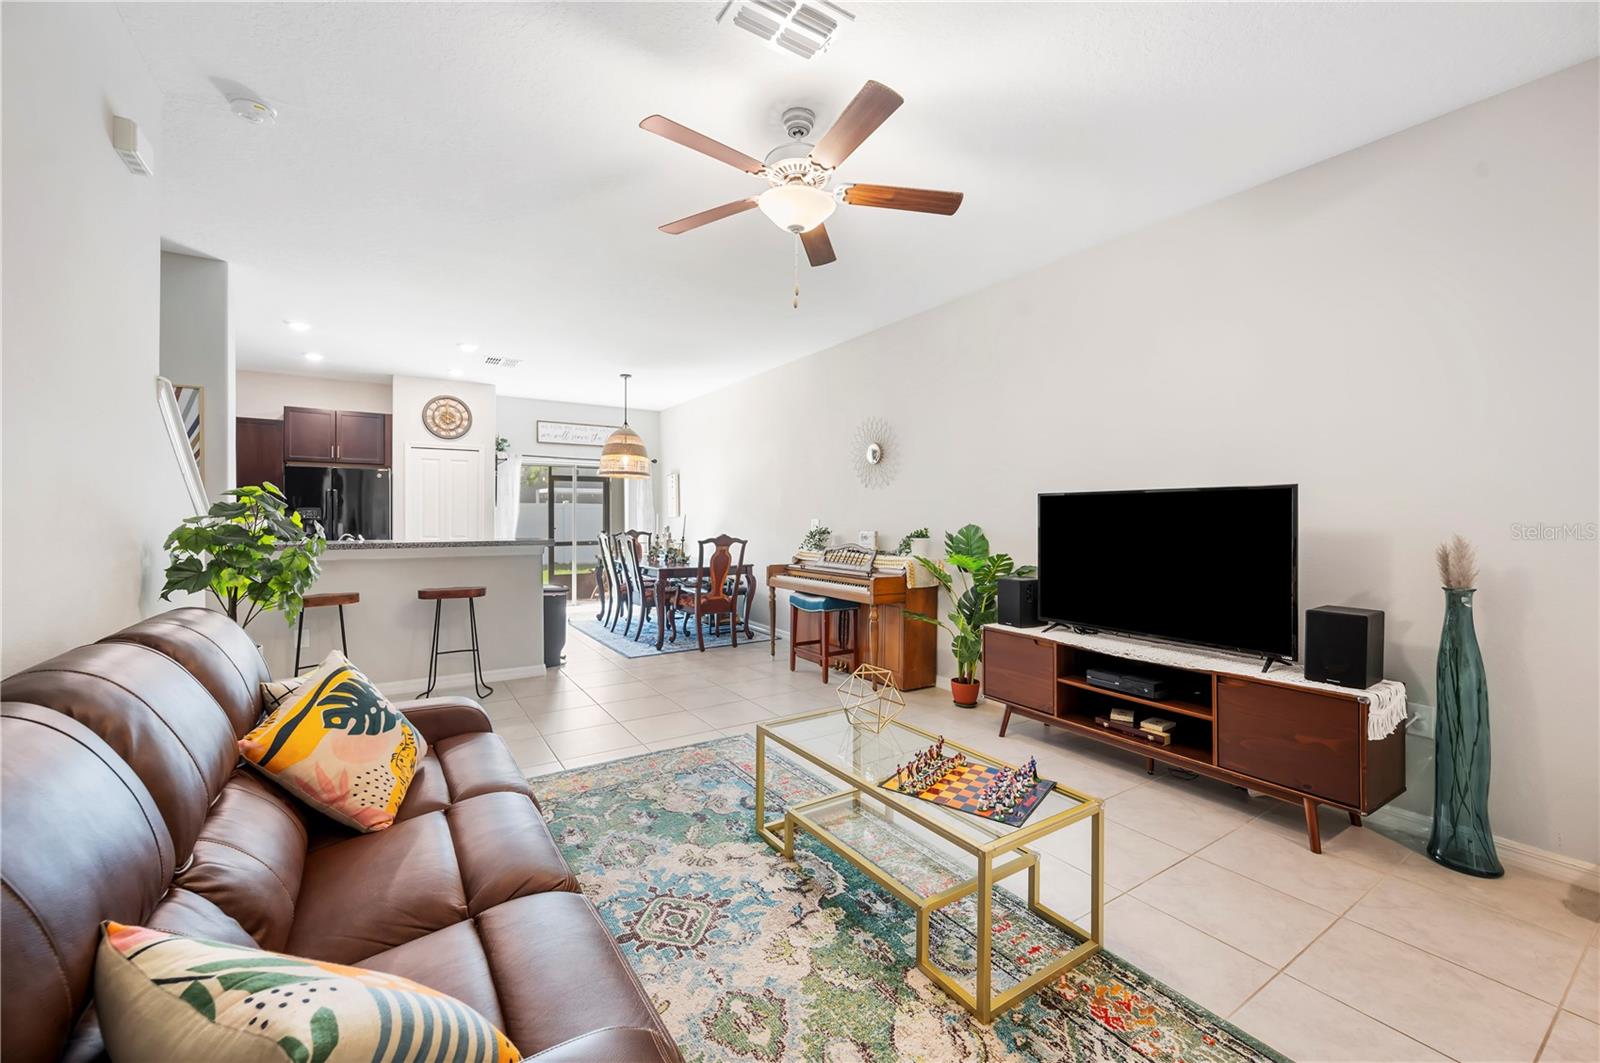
point(909, 846)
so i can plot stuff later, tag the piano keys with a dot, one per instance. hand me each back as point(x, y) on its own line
point(885, 587)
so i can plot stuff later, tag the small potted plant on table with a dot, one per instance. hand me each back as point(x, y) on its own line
point(967, 559)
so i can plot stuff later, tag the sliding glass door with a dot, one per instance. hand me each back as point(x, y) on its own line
point(570, 505)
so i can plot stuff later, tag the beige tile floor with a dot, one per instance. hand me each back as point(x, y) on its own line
point(1367, 952)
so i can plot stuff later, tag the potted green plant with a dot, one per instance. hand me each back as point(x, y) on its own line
point(249, 552)
point(911, 541)
point(817, 538)
point(967, 561)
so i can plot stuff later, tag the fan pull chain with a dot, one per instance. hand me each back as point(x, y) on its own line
point(796, 303)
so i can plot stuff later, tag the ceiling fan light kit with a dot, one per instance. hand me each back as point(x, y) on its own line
point(799, 173)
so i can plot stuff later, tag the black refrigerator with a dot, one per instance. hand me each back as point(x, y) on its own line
point(347, 502)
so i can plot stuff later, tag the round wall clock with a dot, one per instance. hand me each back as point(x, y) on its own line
point(872, 453)
point(447, 417)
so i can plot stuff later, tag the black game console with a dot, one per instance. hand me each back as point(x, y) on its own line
point(1142, 686)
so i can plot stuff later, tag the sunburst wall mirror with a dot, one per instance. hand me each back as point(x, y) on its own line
point(873, 454)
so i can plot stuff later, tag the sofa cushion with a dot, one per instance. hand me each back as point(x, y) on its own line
point(249, 857)
point(370, 892)
point(82, 841)
point(165, 996)
point(452, 961)
point(153, 713)
point(480, 763)
point(215, 650)
point(339, 746)
point(536, 945)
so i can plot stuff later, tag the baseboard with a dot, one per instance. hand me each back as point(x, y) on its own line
point(1559, 866)
point(406, 689)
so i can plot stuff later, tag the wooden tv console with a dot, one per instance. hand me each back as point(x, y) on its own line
point(1301, 745)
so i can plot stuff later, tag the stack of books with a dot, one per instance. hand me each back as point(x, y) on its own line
point(1127, 716)
point(1158, 725)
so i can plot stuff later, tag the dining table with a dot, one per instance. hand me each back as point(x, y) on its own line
point(664, 574)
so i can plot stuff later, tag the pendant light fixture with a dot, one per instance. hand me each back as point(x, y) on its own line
point(623, 457)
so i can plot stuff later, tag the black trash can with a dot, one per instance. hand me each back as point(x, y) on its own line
point(555, 624)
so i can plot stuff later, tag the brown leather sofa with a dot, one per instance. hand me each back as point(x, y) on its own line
point(123, 799)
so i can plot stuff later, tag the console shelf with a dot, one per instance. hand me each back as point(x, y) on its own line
point(1303, 746)
point(1184, 708)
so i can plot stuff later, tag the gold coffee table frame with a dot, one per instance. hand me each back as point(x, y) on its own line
point(1006, 855)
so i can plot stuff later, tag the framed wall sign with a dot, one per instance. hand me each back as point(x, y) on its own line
point(574, 433)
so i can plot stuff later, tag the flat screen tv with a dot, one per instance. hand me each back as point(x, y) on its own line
point(1214, 566)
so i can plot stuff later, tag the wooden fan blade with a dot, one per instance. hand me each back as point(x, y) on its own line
point(924, 200)
point(706, 217)
point(819, 249)
point(866, 112)
point(682, 134)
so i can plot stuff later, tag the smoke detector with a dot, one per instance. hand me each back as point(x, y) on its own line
point(252, 110)
point(800, 27)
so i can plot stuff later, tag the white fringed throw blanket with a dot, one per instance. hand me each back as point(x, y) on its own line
point(1386, 700)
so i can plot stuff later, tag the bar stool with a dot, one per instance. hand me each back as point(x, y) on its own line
point(817, 603)
point(321, 601)
point(438, 596)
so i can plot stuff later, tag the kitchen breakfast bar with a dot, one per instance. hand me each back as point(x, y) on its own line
point(390, 630)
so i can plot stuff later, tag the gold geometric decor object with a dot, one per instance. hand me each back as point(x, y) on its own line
point(870, 699)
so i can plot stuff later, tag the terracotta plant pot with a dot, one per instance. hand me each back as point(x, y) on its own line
point(964, 692)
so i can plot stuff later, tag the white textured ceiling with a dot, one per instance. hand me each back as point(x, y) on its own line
point(446, 172)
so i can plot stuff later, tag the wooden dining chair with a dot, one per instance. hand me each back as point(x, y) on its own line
point(623, 604)
point(713, 594)
point(602, 582)
point(634, 546)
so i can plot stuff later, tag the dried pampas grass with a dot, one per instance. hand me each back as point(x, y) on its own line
point(1458, 563)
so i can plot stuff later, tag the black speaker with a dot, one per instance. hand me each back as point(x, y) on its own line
point(1344, 646)
point(1018, 601)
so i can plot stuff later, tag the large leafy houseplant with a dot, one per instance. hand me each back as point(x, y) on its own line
point(249, 552)
point(970, 575)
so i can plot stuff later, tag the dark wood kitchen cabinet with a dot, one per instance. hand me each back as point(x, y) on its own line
point(335, 437)
point(308, 434)
point(259, 445)
point(361, 438)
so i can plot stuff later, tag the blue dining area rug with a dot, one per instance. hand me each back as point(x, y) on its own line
point(645, 646)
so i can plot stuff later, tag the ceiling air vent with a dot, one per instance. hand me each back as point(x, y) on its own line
point(803, 28)
point(502, 363)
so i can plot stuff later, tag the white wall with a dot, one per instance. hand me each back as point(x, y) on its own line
point(90, 483)
point(518, 420)
point(266, 394)
point(411, 394)
point(1408, 331)
point(197, 349)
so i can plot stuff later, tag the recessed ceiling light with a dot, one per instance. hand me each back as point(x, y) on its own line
point(467, 348)
point(299, 326)
point(313, 356)
point(457, 372)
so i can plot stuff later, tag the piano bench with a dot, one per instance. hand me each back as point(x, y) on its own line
point(817, 603)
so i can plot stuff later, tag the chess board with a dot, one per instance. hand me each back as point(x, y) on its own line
point(959, 789)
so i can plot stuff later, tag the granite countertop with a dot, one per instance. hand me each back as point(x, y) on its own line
point(428, 544)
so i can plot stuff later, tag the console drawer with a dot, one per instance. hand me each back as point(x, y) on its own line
point(1296, 738)
point(1019, 670)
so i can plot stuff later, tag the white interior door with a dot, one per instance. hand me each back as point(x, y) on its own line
point(444, 493)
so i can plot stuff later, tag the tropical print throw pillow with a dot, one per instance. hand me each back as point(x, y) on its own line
point(168, 997)
point(339, 746)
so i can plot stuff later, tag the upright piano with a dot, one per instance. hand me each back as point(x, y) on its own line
point(885, 588)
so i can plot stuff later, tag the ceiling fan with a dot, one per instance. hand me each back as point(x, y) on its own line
point(799, 200)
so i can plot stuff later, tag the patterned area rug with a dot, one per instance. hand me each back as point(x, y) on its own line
point(645, 645)
point(753, 957)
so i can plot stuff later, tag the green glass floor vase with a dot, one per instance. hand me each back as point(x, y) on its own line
point(1461, 837)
